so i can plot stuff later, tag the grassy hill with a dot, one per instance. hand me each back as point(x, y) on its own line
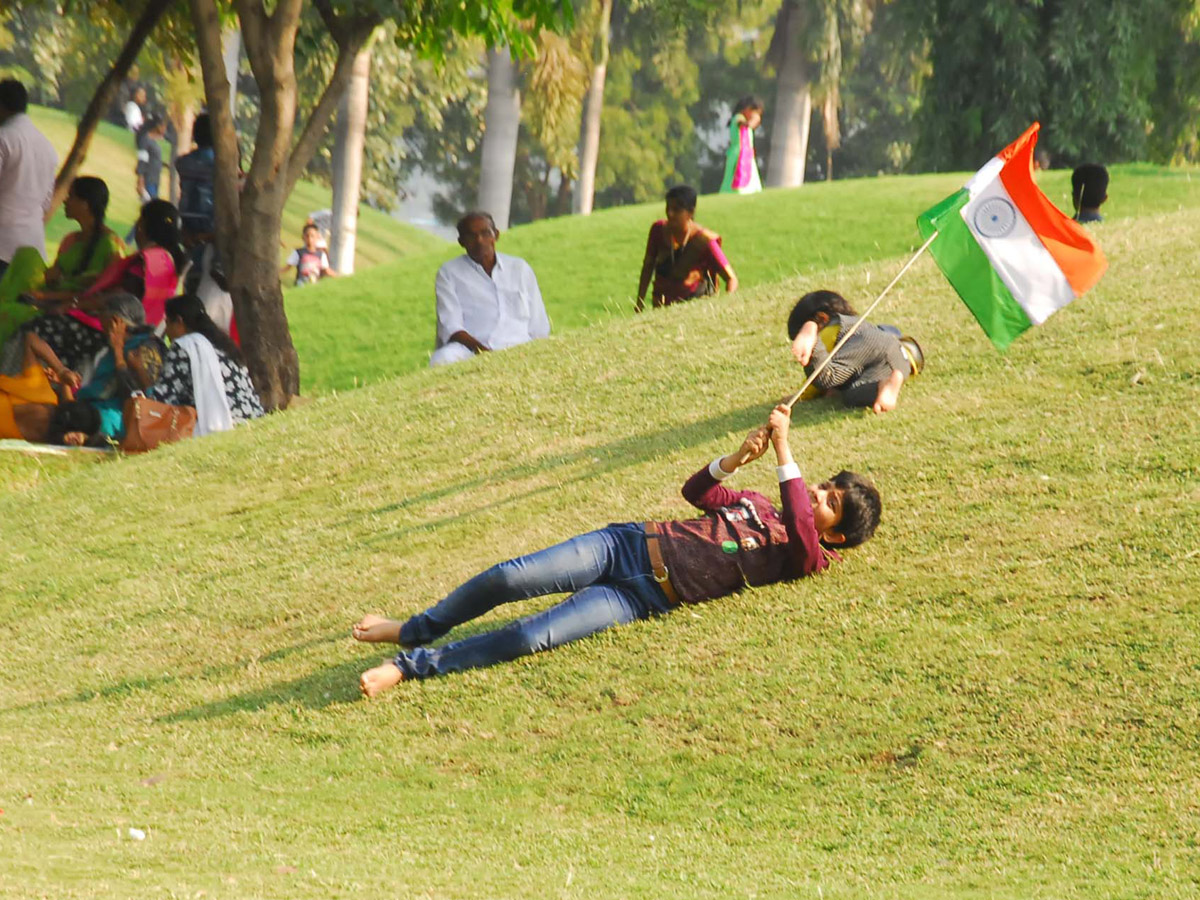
point(381, 323)
point(996, 698)
point(111, 157)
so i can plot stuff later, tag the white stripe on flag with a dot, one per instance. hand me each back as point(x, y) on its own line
point(1016, 253)
point(984, 176)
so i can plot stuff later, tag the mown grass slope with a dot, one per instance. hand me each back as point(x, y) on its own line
point(381, 323)
point(996, 697)
point(111, 156)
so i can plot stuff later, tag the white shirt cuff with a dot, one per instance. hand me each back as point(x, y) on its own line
point(715, 470)
point(788, 472)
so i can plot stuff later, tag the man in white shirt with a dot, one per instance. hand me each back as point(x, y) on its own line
point(485, 300)
point(134, 117)
point(27, 166)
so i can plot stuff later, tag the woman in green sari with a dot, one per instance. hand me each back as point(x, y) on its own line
point(29, 288)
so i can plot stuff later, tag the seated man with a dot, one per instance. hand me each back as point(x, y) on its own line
point(870, 368)
point(639, 569)
point(1089, 189)
point(485, 300)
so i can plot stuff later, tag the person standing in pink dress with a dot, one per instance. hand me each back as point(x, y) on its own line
point(741, 167)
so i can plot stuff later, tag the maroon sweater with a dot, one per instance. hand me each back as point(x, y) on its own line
point(741, 540)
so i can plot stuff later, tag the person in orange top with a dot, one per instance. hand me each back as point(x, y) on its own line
point(29, 402)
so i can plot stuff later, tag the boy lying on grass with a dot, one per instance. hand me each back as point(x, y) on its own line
point(870, 368)
point(638, 569)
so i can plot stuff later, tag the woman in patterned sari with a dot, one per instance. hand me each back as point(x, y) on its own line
point(203, 368)
point(684, 258)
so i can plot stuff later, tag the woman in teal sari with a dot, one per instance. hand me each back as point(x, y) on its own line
point(28, 288)
point(132, 361)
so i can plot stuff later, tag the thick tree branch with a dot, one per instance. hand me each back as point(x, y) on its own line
point(216, 92)
point(350, 41)
point(103, 98)
point(253, 20)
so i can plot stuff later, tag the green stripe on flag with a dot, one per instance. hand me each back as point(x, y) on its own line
point(970, 272)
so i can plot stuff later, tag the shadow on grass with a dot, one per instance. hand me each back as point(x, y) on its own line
point(153, 682)
point(605, 459)
point(326, 687)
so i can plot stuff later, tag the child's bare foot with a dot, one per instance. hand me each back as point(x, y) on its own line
point(889, 393)
point(379, 679)
point(374, 629)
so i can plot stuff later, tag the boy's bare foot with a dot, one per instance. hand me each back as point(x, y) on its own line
point(373, 629)
point(379, 679)
point(889, 393)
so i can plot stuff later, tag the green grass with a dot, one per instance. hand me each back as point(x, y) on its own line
point(111, 156)
point(996, 698)
point(382, 323)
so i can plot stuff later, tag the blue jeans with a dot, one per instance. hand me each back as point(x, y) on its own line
point(607, 572)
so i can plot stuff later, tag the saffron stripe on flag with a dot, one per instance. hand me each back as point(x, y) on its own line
point(1017, 253)
point(1072, 249)
point(970, 272)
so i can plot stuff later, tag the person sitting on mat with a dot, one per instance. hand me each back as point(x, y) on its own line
point(639, 569)
point(871, 366)
point(35, 408)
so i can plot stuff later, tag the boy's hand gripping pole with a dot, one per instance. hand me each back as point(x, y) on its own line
point(853, 328)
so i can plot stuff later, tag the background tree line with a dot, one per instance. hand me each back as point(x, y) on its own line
point(532, 108)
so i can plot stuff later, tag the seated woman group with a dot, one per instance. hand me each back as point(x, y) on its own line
point(87, 334)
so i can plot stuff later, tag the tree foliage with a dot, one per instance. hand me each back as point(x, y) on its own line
point(1100, 75)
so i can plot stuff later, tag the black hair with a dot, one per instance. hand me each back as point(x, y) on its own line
point(829, 302)
point(94, 192)
point(475, 214)
point(313, 226)
point(189, 309)
point(13, 96)
point(152, 122)
point(202, 131)
point(1089, 185)
point(74, 415)
point(684, 196)
point(748, 102)
point(861, 507)
point(160, 220)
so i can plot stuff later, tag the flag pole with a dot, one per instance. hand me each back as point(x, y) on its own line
point(853, 328)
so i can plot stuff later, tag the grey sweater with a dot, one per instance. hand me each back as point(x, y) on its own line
point(869, 357)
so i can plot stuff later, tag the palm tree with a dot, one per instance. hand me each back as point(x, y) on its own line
point(813, 48)
point(349, 139)
point(501, 124)
point(589, 133)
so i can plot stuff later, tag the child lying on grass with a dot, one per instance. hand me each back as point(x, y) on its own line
point(870, 368)
point(635, 570)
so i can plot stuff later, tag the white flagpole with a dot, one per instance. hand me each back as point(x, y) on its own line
point(853, 328)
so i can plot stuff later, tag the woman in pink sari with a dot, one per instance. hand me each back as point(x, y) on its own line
point(73, 328)
point(741, 166)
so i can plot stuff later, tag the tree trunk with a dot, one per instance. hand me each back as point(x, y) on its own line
point(562, 202)
point(793, 103)
point(184, 118)
point(231, 52)
point(501, 123)
point(593, 106)
point(102, 99)
point(249, 223)
point(258, 298)
point(349, 140)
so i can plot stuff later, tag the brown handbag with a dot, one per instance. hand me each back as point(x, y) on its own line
point(149, 423)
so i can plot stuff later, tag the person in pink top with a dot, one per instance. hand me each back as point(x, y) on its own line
point(638, 569)
point(684, 258)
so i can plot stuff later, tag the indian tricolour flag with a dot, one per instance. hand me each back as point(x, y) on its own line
point(1007, 250)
